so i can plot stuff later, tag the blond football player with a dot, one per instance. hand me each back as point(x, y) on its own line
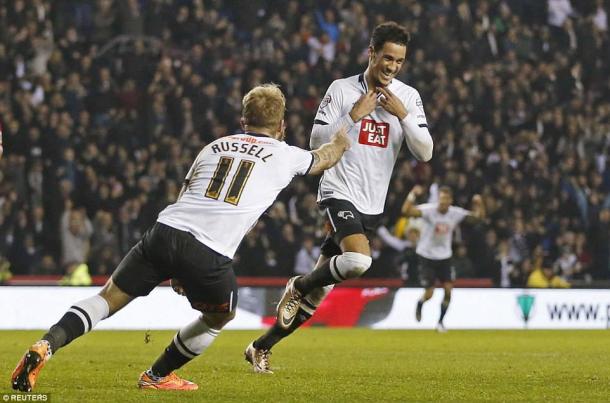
point(231, 183)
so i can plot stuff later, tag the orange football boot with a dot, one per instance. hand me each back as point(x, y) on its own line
point(24, 376)
point(169, 382)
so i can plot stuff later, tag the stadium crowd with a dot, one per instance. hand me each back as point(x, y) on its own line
point(104, 104)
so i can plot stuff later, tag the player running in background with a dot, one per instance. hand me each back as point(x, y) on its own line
point(231, 183)
point(434, 247)
point(382, 114)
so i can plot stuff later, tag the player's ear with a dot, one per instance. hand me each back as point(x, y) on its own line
point(242, 123)
point(371, 54)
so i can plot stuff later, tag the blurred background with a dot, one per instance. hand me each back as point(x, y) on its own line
point(104, 104)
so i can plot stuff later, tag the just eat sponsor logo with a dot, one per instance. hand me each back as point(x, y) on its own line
point(374, 133)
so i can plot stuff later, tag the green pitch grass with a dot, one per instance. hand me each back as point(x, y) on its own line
point(327, 365)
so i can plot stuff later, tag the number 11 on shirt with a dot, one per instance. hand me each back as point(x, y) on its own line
point(237, 184)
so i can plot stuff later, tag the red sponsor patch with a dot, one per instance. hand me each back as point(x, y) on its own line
point(253, 140)
point(248, 139)
point(374, 133)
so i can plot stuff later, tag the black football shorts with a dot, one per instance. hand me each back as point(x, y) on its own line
point(164, 253)
point(344, 220)
point(431, 270)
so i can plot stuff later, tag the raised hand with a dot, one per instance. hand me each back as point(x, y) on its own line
point(364, 106)
point(478, 207)
point(418, 190)
point(177, 286)
point(392, 103)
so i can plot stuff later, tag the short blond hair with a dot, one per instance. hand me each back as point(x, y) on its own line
point(264, 106)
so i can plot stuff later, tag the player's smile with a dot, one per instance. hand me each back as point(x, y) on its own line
point(385, 77)
point(388, 76)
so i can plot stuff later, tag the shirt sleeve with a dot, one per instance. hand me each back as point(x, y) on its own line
point(415, 108)
point(426, 209)
point(330, 117)
point(415, 128)
point(330, 108)
point(300, 160)
point(459, 213)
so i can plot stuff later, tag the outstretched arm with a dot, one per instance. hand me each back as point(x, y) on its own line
point(393, 242)
point(477, 214)
point(321, 133)
point(408, 207)
point(330, 153)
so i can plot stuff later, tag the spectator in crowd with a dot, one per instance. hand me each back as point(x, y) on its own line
point(567, 265)
point(464, 268)
point(600, 243)
point(76, 230)
point(5, 270)
point(104, 244)
point(77, 274)
point(544, 277)
point(306, 257)
point(520, 113)
point(403, 260)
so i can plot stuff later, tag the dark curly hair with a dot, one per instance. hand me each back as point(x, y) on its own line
point(389, 32)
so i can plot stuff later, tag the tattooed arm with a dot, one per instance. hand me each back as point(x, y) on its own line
point(330, 153)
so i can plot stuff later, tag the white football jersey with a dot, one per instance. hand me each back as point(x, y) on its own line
point(437, 230)
point(231, 183)
point(363, 175)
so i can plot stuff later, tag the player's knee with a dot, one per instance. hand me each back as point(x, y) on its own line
point(197, 335)
point(349, 265)
point(114, 297)
point(218, 320)
point(230, 316)
point(428, 293)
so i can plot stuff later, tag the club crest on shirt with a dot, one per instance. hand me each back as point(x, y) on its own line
point(345, 214)
point(327, 100)
point(441, 229)
point(374, 133)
